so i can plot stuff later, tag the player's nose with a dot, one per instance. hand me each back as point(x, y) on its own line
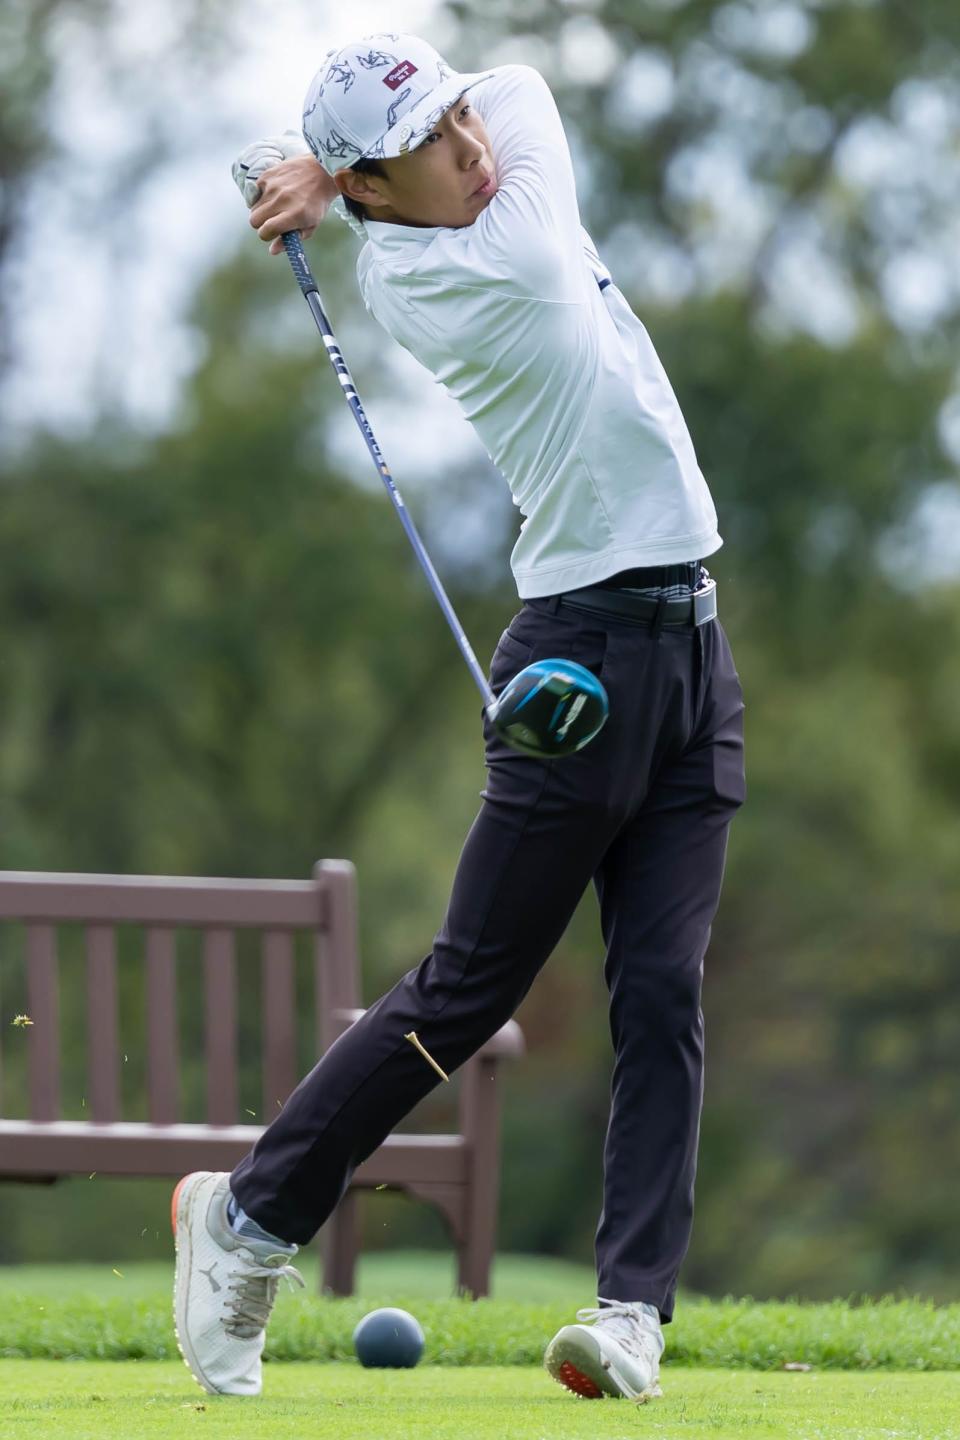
point(472, 151)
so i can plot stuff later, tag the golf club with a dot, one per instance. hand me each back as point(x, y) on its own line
point(551, 707)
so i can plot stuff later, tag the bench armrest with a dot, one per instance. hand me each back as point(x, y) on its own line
point(507, 1044)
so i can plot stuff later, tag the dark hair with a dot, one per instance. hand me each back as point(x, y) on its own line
point(362, 167)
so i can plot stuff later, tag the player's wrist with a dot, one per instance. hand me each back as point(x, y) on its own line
point(284, 186)
point(293, 195)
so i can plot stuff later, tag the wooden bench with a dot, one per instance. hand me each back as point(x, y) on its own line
point(458, 1174)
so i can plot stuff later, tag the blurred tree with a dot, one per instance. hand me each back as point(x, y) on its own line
point(718, 143)
point(220, 657)
point(25, 77)
point(94, 95)
point(775, 187)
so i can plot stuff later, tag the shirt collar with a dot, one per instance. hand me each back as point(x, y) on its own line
point(388, 239)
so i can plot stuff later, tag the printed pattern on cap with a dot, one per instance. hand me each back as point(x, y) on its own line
point(378, 98)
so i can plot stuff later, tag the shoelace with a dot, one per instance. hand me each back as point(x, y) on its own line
point(630, 1325)
point(254, 1292)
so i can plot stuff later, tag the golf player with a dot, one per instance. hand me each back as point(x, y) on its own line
point(474, 259)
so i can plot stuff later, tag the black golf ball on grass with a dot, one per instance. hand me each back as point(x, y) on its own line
point(388, 1339)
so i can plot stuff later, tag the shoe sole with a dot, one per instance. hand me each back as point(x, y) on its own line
point(181, 1206)
point(575, 1360)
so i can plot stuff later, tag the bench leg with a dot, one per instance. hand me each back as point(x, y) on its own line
point(339, 1242)
point(473, 1268)
point(475, 1250)
point(480, 1122)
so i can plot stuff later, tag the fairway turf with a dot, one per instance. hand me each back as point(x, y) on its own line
point(427, 1274)
point(89, 1401)
point(97, 1314)
point(102, 1313)
point(482, 1378)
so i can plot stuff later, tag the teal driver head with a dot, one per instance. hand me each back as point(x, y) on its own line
point(551, 708)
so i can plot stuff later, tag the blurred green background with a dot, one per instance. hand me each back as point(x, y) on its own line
point(219, 658)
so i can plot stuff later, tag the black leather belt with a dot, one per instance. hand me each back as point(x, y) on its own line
point(695, 609)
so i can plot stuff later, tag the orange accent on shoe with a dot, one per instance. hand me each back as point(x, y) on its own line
point(173, 1204)
point(580, 1384)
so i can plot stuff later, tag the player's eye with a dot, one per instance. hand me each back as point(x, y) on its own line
point(464, 110)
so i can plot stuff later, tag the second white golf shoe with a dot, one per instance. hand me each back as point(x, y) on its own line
point(224, 1289)
point(618, 1354)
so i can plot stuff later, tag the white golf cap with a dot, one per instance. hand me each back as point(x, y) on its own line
point(377, 98)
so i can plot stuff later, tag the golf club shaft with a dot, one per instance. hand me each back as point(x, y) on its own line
point(301, 270)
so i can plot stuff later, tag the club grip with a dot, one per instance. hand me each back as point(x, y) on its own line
point(298, 262)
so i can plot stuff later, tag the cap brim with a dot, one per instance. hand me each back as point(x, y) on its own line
point(421, 119)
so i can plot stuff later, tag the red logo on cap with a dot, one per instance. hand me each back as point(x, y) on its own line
point(399, 73)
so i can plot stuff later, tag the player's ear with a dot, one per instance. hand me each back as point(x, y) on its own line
point(358, 187)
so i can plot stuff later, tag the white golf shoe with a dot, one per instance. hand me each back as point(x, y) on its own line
point(618, 1354)
point(224, 1288)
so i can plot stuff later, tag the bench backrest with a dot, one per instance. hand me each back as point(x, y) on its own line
point(160, 906)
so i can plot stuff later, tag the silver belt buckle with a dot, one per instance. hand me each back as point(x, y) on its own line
point(705, 603)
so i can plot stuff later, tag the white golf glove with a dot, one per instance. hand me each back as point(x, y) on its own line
point(263, 155)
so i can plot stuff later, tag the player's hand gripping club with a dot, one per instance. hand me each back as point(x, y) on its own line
point(284, 187)
point(552, 707)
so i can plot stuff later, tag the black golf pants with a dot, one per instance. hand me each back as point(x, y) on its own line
point(643, 811)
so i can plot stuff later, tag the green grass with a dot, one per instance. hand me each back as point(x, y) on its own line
point(90, 1313)
point(482, 1374)
point(86, 1401)
point(427, 1273)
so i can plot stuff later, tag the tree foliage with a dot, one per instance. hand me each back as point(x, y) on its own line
point(220, 658)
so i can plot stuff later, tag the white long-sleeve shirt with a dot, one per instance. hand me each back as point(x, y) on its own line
point(558, 377)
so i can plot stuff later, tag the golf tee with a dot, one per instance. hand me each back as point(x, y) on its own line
point(414, 1041)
